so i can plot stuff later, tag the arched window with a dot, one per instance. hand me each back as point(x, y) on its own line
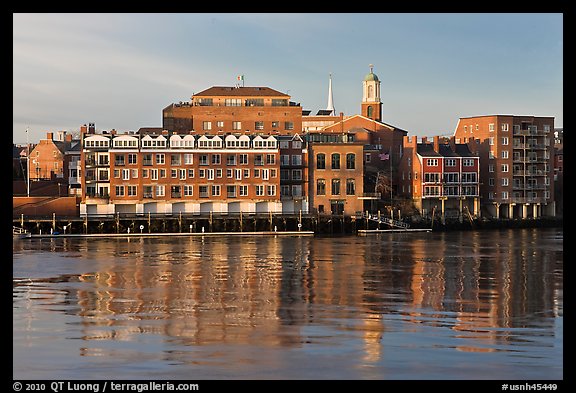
point(321, 161)
point(369, 111)
point(350, 161)
point(336, 161)
point(370, 91)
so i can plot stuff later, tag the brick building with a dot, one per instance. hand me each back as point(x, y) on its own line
point(517, 159)
point(48, 157)
point(222, 109)
point(170, 173)
point(440, 174)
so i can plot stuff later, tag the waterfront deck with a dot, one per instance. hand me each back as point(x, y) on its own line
point(170, 234)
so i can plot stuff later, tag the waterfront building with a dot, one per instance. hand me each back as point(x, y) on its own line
point(48, 157)
point(168, 173)
point(517, 160)
point(336, 175)
point(442, 175)
point(293, 174)
point(222, 109)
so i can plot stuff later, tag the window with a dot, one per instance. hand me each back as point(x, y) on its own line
point(148, 192)
point(233, 102)
point(284, 160)
point(504, 167)
point(134, 173)
point(210, 174)
point(174, 173)
point(175, 192)
point(215, 190)
point(236, 125)
point(491, 141)
point(259, 190)
point(491, 182)
point(243, 190)
point(491, 127)
point(505, 154)
point(119, 159)
point(132, 190)
point(296, 174)
point(451, 178)
point(154, 174)
point(215, 159)
point(284, 145)
point(258, 160)
point(119, 191)
point(175, 159)
point(351, 161)
point(296, 144)
point(288, 125)
point(231, 159)
point(320, 187)
point(246, 173)
point(190, 173)
point(160, 191)
point(259, 125)
point(231, 191)
point(182, 174)
point(275, 124)
point(238, 174)
point(202, 173)
point(504, 140)
point(320, 161)
point(296, 160)
point(116, 173)
point(450, 162)
point(335, 186)
point(467, 162)
point(271, 190)
point(431, 177)
point(220, 124)
point(504, 181)
point(504, 194)
point(243, 159)
point(203, 159)
point(505, 127)
point(350, 187)
point(162, 172)
point(206, 125)
point(335, 161)
point(188, 159)
point(125, 174)
point(265, 174)
point(270, 159)
point(203, 191)
point(469, 177)
point(188, 190)
point(147, 159)
point(257, 173)
point(432, 162)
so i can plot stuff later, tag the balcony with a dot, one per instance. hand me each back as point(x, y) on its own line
point(370, 195)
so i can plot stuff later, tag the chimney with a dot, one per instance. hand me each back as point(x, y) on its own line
point(113, 131)
point(453, 143)
point(84, 129)
point(91, 128)
point(424, 140)
point(68, 137)
point(437, 144)
point(50, 136)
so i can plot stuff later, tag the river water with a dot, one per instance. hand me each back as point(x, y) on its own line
point(441, 305)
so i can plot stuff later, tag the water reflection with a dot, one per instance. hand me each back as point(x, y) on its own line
point(486, 292)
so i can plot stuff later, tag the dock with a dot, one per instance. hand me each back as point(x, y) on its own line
point(363, 232)
point(168, 234)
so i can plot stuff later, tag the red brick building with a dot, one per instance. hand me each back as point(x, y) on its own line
point(48, 157)
point(440, 175)
point(170, 173)
point(517, 160)
point(222, 109)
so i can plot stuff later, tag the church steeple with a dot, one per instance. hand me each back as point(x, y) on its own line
point(330, 106)
point(371, 104)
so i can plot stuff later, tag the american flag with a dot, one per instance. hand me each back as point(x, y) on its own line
point(384, 156)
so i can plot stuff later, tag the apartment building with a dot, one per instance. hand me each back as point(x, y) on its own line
point(221, 109)
point(440, 175)
point(170, 173)
point(517, 160)
point(293, 173)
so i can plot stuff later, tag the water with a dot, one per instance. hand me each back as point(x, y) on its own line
point(441, 305)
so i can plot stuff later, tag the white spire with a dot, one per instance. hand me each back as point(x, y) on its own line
point(330, 106)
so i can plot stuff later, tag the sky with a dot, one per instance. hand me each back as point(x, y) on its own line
point(119, 70)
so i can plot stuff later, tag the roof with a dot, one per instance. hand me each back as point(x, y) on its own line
point(371, 77)
point(426, 150)
point(444, 150)
point(240, 92)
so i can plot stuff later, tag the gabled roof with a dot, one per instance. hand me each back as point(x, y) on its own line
point(240, 92)
point(380, 123)
point(426, 150)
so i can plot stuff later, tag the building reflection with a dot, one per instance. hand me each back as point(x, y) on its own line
point(269, 292)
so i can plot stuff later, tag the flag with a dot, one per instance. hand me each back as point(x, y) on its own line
point(384, 156)
point(240, 77)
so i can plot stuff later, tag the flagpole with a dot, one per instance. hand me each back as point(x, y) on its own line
point(27, 165)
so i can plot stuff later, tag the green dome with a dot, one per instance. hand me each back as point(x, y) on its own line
point(371, 77)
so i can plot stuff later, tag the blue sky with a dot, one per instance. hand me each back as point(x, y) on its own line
point(120, 70)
